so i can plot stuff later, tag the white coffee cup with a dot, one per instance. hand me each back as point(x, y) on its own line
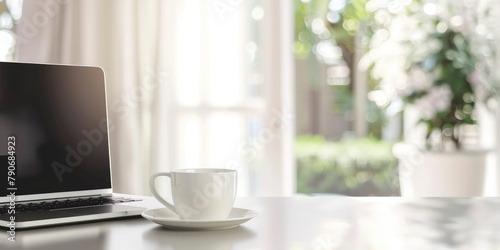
point(199, 194)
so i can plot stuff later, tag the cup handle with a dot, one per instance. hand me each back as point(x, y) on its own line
point(152, 186)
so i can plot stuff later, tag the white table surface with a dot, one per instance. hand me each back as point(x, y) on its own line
point(298, 223)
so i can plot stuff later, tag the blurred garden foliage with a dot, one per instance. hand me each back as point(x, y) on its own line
point(357, 167)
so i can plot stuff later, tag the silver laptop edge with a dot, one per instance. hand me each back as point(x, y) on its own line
point(48, 196)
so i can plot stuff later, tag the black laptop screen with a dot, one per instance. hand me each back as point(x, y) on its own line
point(53, 123)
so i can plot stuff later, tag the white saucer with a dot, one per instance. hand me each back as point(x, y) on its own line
point(168, 219)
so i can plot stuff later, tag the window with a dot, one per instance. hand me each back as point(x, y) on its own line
point(231, 104)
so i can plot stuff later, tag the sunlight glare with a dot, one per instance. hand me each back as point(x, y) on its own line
point(226, 54)
point(188, 59)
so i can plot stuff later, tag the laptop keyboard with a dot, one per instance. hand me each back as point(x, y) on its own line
point(65, 203)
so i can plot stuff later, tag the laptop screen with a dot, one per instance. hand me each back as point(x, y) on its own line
point(53, 129)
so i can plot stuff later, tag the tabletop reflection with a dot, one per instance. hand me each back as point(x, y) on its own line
point(228, 239)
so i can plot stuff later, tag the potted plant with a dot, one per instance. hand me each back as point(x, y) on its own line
point(433, 77)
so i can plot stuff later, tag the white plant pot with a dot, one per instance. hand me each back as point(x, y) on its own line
point(440, 174)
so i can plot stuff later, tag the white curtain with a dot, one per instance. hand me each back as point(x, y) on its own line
point(189, 83)
point(121, 36)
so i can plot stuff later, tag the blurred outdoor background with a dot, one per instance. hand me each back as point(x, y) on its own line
point(354, 61)
point(301, 96)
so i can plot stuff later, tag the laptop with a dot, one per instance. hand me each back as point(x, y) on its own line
point(55, 163)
